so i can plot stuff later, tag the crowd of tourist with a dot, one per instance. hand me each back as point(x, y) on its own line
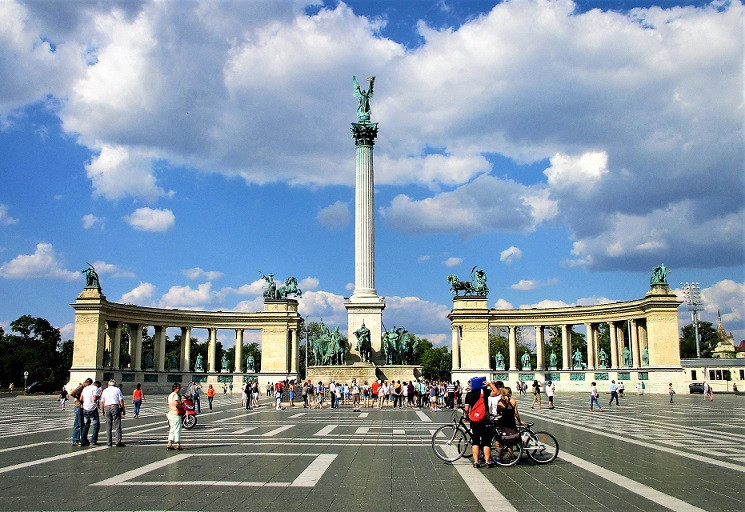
point(420, 393)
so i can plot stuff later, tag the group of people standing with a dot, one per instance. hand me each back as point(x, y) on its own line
point(90, 398)
point(500, 415)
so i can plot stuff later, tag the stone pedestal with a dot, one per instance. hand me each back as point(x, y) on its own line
point(360, 371)
point(370, 311)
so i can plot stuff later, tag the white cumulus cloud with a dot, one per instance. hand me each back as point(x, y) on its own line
point(198, 273)
point(142, 294)
point(510, 254)
point(336, 215)
point(44, 263)
point(153, 220)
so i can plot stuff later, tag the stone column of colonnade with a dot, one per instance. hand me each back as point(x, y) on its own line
point(159, 350)
point(540, 357)
point(455, 337)
point(116, 341)
point(634, 338)
point(612, 328)
point(512, 337)
point(135, 346)
point(212, 350)
point(566, 346)
point(238, 350)
point(185, 349)
point(294, 352)
point(591, 329)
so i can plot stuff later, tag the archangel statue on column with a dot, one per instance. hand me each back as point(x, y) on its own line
point(363, 110)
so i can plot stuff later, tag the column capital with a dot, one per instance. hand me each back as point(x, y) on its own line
point(364, 133)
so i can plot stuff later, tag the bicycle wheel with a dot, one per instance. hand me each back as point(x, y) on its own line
point(507, 455)
point(542, 447)
point(449, 443)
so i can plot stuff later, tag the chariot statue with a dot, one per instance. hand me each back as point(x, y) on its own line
point(477, 285)
point(272, 291)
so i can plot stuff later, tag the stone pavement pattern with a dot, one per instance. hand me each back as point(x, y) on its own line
point(646, 455)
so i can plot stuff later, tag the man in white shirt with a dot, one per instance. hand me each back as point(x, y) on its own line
point(332, 395)
point(355, 396)
point(112, 402)
point(90, 396)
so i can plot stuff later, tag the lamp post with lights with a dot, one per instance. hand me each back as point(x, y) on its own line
point(692, 297)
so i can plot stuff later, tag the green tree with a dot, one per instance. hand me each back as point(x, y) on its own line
point(437, 364)
point(708, 336)
point(35, 346)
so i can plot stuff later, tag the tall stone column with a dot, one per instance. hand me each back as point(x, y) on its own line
point(455, 347)
point(160, 347)
point(116, 344)
point(185, 349)
point(212, 350)
point(613, 344)
point(365, 306)
point(293, 351)
point(237, 365)
point(566, 346)
point(540, 357)
point(590, 339)
point(634, 338)
point(512, 338)
point(135, 346)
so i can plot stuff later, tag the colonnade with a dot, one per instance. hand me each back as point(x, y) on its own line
point(98, 337)
point(650, 342)
point(137, 362)
point(591, 358)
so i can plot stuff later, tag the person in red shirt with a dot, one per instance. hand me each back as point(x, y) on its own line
point(210, 395)
point(375, 388)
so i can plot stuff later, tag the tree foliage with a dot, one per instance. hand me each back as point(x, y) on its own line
point(35, 346)
point(709, 340)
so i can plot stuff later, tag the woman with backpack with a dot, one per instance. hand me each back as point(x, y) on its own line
point(536, 395)
point(476, 408)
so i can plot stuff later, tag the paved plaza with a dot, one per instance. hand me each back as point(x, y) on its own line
point(645, 455)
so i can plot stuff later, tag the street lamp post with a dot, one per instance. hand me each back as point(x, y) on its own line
point(692, 297)
point(306, 347)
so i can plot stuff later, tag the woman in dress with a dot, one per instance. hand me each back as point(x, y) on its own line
point(137, 397)
point(175, 408)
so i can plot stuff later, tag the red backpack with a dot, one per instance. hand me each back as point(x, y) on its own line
point(477, 413)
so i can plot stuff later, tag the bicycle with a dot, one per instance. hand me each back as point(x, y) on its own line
point(540, 446)
point(451, 442)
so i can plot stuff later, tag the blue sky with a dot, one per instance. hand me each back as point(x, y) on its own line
point(183, 147)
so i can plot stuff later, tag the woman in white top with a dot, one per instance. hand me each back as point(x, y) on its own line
point(174, 418)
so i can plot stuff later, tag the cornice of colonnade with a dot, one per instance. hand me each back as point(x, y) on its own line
point(466, 310)
point(276, 313)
